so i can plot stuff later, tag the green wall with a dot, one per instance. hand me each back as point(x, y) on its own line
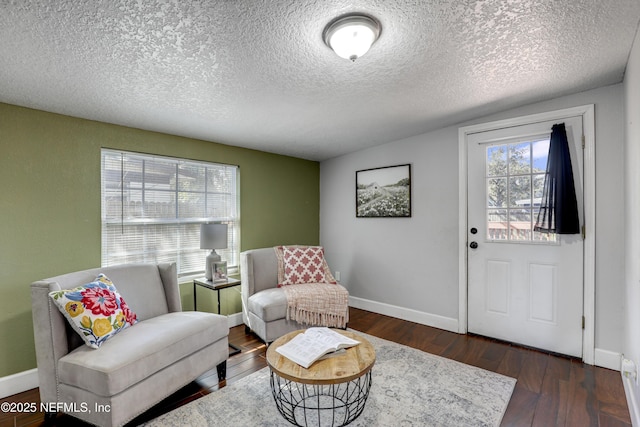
point(50, 205)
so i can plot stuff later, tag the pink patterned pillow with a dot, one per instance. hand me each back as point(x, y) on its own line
point(303, 265)
point(328, 277)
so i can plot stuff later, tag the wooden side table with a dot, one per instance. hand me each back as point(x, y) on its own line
point(215, 286)
point(331, 392)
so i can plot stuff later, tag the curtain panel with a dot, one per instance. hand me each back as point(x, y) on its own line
point(559, 206)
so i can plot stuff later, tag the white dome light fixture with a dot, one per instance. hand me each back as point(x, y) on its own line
point(350, 36)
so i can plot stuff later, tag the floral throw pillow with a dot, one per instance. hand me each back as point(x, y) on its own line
point(96, 311)
point(303, 265)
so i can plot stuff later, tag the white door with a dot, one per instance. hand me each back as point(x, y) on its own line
point(523, 286)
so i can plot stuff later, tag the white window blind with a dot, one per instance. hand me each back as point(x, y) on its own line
point(152, 208)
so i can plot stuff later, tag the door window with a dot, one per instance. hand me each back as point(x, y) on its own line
point(514, 182)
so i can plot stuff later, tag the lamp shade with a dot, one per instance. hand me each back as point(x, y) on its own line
point(352, 35)
point(213, 236)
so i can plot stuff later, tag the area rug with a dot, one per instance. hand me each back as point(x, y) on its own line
point(410, 388)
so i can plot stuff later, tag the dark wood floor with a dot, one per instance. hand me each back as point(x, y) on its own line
point(551, 390)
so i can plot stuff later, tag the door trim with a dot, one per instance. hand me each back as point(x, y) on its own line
point(588, 120)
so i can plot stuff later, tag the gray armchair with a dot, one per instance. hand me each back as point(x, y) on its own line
point(264, 305)
point(138, 367)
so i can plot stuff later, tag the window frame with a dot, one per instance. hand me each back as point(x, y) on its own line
point(169, 228)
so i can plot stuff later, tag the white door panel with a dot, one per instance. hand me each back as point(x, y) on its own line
point(522, 287)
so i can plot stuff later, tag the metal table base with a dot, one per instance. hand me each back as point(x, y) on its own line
point(320, 405)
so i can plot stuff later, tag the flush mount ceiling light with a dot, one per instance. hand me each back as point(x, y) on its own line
point(350, 36)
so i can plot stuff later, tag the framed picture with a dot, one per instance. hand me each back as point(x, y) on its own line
point(219, 271)
point(383, 192)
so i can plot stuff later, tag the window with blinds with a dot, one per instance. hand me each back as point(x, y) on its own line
point(152, 208)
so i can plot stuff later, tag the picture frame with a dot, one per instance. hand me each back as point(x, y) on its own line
point(384, 192)
point(219, 271)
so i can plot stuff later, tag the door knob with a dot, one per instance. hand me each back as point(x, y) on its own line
point(473, 245)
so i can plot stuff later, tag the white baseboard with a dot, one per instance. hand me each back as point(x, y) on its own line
point(434, 320)
point(234, 319)
point(633, 400)
point(607, 359)
point(17, 383)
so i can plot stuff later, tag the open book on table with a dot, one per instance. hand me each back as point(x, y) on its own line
point(313, 344)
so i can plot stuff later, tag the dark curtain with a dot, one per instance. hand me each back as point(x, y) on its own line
point(559, 207)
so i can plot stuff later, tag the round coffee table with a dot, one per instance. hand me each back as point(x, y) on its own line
point(331, 392)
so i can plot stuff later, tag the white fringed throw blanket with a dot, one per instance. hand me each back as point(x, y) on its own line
point(318, 304)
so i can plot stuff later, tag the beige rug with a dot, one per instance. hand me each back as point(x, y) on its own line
point(410, 388)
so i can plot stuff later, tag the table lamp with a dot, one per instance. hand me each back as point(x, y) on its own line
point(213, 236)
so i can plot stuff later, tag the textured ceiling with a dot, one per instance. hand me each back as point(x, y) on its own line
point(256, 73)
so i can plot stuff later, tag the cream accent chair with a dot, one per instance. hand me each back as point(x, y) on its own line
point(136, 368)
point(264, 305)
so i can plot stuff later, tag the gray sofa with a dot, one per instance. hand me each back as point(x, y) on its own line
point(264, 305)
point(138, 367)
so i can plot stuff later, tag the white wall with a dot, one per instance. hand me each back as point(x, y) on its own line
point(405, 262)
point(632, 216)
point(408, 267)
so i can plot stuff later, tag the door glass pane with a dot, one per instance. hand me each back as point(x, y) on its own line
point(497, 160)
point(519, 191)
point(540, 154)
point(542, 237)
point(538, 187)
point(497, 224)
point(497, 192)
point(519, 158)
point(520, 224)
